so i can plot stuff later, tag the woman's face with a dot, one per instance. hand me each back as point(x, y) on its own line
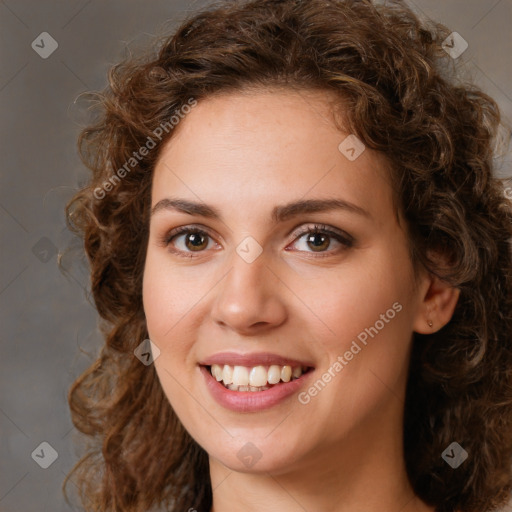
point(256, 288)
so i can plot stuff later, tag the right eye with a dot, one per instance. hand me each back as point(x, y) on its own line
point(192, 240)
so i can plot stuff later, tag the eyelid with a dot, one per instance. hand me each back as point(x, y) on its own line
point(323, 228)
point(168, 235)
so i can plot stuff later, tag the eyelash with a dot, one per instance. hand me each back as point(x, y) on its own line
point(345, 239)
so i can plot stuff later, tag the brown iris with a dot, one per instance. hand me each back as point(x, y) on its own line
point(315, 238)
point(198, 241)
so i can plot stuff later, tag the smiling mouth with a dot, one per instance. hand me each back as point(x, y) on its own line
point(256, 378)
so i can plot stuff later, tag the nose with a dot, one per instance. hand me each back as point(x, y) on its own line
point(249, 298)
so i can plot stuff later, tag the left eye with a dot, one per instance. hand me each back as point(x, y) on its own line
point(320, 238)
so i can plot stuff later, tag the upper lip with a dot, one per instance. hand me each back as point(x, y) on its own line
point(250, 360)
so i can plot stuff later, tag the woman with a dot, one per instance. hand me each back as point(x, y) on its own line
point(301, 258)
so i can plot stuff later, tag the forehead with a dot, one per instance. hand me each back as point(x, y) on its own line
point(266, 147)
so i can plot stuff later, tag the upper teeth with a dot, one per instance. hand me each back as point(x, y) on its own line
point(256, 376)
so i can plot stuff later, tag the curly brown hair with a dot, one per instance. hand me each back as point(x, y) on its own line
point(397, 88)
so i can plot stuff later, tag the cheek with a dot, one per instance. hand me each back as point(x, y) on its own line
point(348, 301)
point(366, 316)
point(166, 302)
point(167, 295)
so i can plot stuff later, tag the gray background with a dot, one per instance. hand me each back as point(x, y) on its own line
point(49, 333)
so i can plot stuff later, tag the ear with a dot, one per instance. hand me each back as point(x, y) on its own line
point(438, 301)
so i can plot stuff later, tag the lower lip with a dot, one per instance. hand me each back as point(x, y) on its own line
point(252, 401)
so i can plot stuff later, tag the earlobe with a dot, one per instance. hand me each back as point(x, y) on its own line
point(437, 306)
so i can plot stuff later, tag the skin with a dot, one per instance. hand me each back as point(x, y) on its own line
point(245, 153)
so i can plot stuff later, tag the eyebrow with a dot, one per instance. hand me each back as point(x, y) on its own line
point(280, 213)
